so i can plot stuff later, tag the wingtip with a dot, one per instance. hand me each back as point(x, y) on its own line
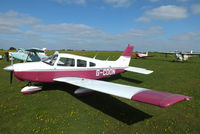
point(161, 99)
point(173, 100)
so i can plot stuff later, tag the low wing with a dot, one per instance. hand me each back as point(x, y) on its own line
point(34, 50)
point(157, 98)
point(138, 70)
point(167, 52)
point(179, 53)
point(191, 53)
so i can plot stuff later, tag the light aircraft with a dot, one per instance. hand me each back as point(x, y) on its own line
point(142, 55)
point(84, 72)
point(181, 56)
point(32, 54)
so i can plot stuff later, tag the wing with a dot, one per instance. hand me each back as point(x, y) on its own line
point(138, 70)
point(167, 52)
point(157, 98)
point(191, 53)
point(34, 50)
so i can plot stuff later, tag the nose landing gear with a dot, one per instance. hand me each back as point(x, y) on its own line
point(31, 89)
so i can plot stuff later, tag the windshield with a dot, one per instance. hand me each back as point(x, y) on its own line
point(50, 60)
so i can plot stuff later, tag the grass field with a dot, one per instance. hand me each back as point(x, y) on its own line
point(56, 110)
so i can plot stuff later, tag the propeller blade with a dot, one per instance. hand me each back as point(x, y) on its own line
point(11, 77)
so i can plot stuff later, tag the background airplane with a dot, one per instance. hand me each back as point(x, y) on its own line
point(84, 72)
point(32, 54)
point(142, 55)
point(181, 56)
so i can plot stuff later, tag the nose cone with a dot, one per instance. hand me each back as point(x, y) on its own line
point(9, 68)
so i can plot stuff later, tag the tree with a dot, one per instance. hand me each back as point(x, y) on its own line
point(12, 48)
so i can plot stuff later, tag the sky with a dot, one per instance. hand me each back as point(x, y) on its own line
point(148, 25)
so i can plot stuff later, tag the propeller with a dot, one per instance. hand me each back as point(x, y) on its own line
point(10, 69)
point(11, 72)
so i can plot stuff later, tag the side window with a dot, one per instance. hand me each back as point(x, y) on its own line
point(50, 60)
point(68, 62)
point(92, 64)
point(81, 63)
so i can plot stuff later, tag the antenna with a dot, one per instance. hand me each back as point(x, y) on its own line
point(107, 58)
point(95, 56)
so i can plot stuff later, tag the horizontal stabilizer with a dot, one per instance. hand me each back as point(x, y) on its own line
point(138, 70)
point(157, 98)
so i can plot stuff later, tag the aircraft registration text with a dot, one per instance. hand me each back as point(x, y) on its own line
point(105, 72)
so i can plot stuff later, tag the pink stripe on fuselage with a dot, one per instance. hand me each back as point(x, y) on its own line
point(48, 76)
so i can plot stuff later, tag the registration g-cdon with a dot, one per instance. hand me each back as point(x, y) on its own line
point(85, 73)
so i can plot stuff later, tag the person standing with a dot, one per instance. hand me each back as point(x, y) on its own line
point(7, 56)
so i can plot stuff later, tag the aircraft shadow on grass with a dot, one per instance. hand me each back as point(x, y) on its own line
point(105, 103)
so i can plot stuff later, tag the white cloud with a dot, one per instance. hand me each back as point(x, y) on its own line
point(183, 0)
point(169, 12)
point(153, 0)
point(65, 28)
point(144, 19)
point(80, 36)
point(80, 2)
point(114, 3)
point(148, 32)
point(188, 36)
point(119, 3)
point(15, 19)
point(195, 9)
point(11, 22)
point(9, 30)
point(184, 41)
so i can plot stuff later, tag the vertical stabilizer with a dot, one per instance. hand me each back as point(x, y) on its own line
point(128, 51)
point(125, 58)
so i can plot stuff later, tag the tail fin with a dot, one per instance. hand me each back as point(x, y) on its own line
point(44, 49)
point(125, 58)
point(128, 51)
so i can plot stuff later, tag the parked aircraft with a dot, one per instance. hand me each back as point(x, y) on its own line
point(142, 55)
point(84, 72)
point(181, 56)
point(32, 54)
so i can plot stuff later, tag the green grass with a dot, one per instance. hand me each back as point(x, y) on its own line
point(56, 110)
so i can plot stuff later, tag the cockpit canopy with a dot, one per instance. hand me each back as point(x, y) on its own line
point(68, 61)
